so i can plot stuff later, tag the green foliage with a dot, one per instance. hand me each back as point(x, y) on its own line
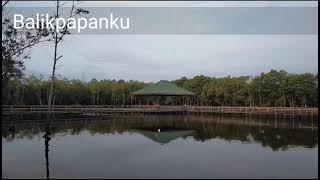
point(16, 46)
point(275, 88)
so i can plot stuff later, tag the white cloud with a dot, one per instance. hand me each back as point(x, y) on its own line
point(155, 57)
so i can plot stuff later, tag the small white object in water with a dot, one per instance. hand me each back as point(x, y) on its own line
point(158, 130)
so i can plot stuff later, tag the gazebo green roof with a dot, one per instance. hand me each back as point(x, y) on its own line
point(165, 137)
point(164, 88)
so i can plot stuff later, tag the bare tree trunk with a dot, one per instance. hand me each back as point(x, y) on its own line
point(304, 101)
point(22, 95)
point(292, 101)
point(233, 99)
point(53, 100)
point(54, 63)
point(260, 96)
point(39, 94)
point(98, 98)
point(123, 99)
point(284, 99)
point(40, 99)
point(250, 99)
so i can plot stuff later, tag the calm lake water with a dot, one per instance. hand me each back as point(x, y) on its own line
point(153, 146)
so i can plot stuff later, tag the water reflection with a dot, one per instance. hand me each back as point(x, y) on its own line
point(166, 136)
point(274, 132)
point(11, 132)
point(146, 146)
point(47, 138)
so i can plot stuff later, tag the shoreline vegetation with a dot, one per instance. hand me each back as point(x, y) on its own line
point(272, 89)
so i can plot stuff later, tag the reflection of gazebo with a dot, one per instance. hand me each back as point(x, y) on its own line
point(162, 88)
point(166, 136)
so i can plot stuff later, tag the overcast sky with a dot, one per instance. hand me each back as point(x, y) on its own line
point(155, 57)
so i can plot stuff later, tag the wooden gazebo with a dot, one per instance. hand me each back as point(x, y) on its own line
point(162, 88)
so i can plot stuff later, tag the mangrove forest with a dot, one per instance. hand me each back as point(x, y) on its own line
point(275, 88)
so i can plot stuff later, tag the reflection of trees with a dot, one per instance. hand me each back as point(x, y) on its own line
point(206, 131)
point(282, 138)
point(276, 138)
point(205, 128)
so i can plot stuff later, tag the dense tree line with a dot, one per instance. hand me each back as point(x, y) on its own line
point(275, 88)
point(33, 90)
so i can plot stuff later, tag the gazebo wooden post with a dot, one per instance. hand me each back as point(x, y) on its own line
point(185, 100)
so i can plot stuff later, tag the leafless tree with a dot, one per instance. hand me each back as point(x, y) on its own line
point(57, 38)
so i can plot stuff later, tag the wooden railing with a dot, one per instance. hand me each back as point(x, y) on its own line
point(152, 108)
point(255, 110)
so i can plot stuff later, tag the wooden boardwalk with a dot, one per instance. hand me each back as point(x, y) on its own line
point(144, 109)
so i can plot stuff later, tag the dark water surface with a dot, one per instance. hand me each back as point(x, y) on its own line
point(187, 146)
